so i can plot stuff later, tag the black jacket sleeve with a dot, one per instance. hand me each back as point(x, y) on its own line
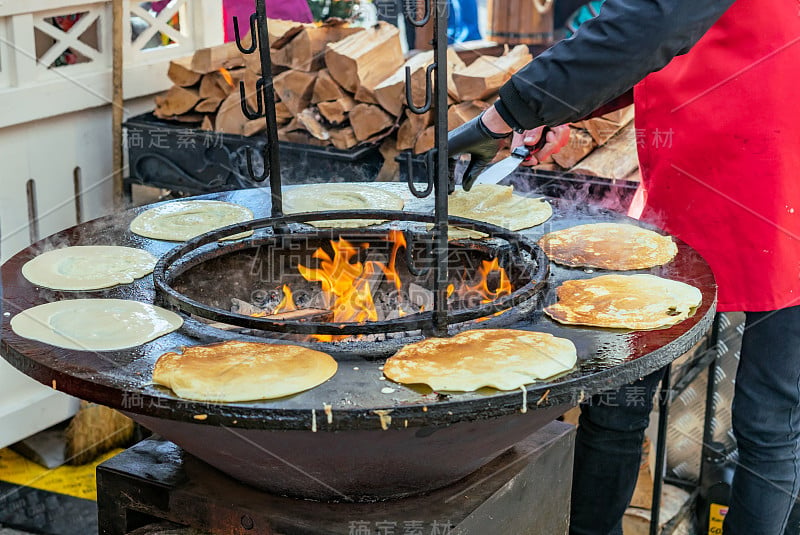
point(607, 56)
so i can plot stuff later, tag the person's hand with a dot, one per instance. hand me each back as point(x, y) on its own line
point(557, 138)
point(480, 138)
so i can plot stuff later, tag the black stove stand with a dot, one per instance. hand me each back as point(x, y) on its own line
point(526, 491)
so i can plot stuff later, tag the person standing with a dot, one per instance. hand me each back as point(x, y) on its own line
point(296, 10)
point(719, 146)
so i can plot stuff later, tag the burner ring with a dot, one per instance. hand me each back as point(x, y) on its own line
point(180, 259)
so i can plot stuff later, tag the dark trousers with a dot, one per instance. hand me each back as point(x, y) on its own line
point(766, 423)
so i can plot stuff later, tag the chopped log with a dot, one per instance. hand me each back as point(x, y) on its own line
point(343, 138)
point(412, 128)
point(364, 59)
point(391, 93)
point(368, 120)
point(253, 127)
point(282, 113)
point(637, 521)
point(304, 314)
point(210, 88)
point(547, 166)
point(635, 176)
point(616, 159)
point(176, 101)
point(390, 169)
point(336, 112)
point(487, 74)
point(230, 118)
point(580, 144)
point(407, 135)
point(326, 88)
point(210, 59)
point(207, 124)
point(299, 137)
point(306, 50)
point(311, 123)
point(208, 105)
point(280, 33)
point(459, 114)
point(421, 122)
point(294, 89)
point(604, 128)
point(454, 63)
point(228, 80)
point(426, 141)
point(181, 73)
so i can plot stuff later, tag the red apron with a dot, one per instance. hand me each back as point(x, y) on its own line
point(718, 133)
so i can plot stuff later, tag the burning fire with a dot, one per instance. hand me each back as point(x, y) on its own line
point(348, 284)
point(226, 75)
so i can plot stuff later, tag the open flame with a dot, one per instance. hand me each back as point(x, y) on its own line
point(226, 74)
point(348, 284)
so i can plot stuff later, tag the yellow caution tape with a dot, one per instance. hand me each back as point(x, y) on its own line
point(76, 481)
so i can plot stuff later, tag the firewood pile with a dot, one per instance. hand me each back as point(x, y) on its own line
point(603, 146)
point(343, 86)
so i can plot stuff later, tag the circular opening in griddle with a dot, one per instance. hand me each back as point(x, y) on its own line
point(374, 284)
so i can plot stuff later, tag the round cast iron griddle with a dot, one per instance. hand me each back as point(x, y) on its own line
point(431, 440)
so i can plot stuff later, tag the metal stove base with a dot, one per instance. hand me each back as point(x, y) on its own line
point(526, 491)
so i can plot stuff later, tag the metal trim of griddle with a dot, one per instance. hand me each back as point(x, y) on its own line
point(164, 274)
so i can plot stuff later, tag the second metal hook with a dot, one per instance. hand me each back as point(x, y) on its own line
point(253, 39)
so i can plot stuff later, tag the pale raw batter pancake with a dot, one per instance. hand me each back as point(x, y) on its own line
point(242, 371)
point(95, 324)
point(330, 197)
point(184, 220)
point(639, 302)
point(504, 359)
point(499, 206)
point(88, 267)
point(608, 246)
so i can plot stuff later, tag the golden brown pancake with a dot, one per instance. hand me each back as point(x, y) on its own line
point(499, 206)
point(608, 246)
point(504, 359)
point(242, 371)
point(639, 302)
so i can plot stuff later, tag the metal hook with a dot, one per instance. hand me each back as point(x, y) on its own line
point(253, 34)
point(428, 90)
point(410, 175)
point(251, 169)
point(411, 15)
point(259, 113)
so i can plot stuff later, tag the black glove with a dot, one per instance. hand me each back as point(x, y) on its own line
point(479, 142)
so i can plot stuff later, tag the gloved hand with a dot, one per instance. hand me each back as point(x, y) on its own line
point(475, 139)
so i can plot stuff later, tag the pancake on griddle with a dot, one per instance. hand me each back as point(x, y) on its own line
point(335, 197)
point(242, 371)
point(88, 267)
point(608, 246)
point(504, 359)
point(638, 302)
point(499, 206)
point(95, 324)
point(184, 220)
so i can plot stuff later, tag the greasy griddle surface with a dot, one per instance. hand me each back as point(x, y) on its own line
point(122, 379)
